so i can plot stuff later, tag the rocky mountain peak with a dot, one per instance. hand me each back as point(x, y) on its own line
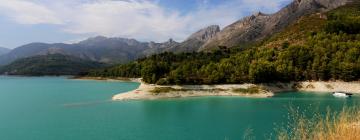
point(205, 33)
point(101, 40)
point(170, 40)
point(169, 43)
point(260, 14)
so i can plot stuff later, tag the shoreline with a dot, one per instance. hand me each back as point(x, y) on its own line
point(143, 91)
point(118, 79)
point(269, 90)
point(146, 91)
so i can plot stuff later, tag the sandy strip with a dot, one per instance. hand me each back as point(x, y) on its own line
point(143, 92)
point(119, 79)
point(320, 86)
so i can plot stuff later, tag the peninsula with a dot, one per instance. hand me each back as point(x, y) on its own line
point(151, 92)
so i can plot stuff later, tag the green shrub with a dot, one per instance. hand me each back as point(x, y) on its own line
point(159, 90)
point(250, 90)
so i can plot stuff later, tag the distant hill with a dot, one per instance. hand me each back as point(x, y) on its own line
point(100, 49)
point(4, 50)
point(53, 64)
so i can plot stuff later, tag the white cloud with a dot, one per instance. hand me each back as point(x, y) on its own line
point(143, 20)
point(140, 19)
point(25, 12)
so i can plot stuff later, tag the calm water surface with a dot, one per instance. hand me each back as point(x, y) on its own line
point(55, 108)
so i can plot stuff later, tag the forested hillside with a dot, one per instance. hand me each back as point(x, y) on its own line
point(55, 64)
point(317, 47)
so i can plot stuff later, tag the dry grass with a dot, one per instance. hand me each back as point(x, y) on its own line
point(344, 125)
point(163, 90)
point(329, 86)
point(159, 90)
point(250, 90)
point(310, 86)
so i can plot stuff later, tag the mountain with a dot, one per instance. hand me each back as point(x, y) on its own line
point(259, 26)
point(321, 46)
point(99, 49)
point(4, 50)
point(191, 44)
point(111, 50)
point(52, 64)
point(155, 48)
point(196, 40)
point(23, 51)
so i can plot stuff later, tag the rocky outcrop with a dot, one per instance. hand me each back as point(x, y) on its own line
point(206, 33)
point(196, 40)
point(155, 48)
point(259, 26)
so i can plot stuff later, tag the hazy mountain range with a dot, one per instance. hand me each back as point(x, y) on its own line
point(110, 50)
point(4, 50)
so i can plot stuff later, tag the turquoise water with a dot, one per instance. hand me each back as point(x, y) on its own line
point(50, 108)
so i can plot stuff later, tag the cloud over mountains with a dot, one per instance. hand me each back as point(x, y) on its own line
point(141, 19)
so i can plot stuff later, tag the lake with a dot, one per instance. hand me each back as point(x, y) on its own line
point(57, 108)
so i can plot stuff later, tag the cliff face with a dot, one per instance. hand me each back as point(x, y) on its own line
point(206, 33)
point(196, 40)
point(259, 26)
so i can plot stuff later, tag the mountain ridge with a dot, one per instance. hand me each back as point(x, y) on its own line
point(260, 26)
point(111, 50)
point(101, 49)
point(195, 40)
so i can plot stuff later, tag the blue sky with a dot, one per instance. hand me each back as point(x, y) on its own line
point(69, 21)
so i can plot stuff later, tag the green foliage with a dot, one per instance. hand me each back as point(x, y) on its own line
point(345, 20)
point(159, 90)
point(165, 68)
point(55, 64)
point(250, 90)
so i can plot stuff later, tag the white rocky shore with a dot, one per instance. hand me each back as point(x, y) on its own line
point(144, 92)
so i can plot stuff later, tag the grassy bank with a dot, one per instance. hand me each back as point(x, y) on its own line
point(250, 90)
point(343, 125)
